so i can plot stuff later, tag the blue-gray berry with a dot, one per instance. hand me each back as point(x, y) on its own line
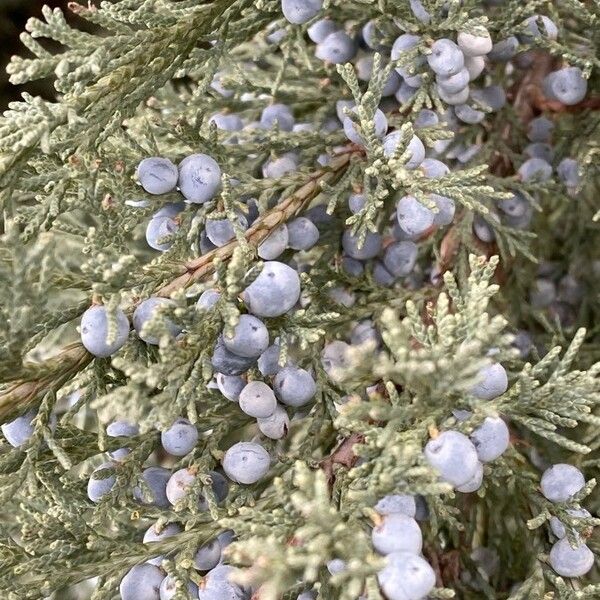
point(300, 11)
point(338, 47)
point(474, 483)
point(250, 337)
point(454, 456)
point(146, 311)
point(397, 503)
point(230, 386)
point(406, 576)
point(97, 488)
point(492, 382)
point(157, 175)
point(446, 58)
point(159, 231)
point(413, 217)
point(302, 234)
point(415, 148)
point(246, 462)
point(275, 244)
point(278, 114)
point(320, 29)
point(168, 588)
point(491, 439)
point(18, 431)
point(207, 299)
point(152, 534)
point(397, 533)
point(369, 249)
point(571, 562)
point(274, 292)
point(567, 85)
point(474, 45)
point(258, 400)
point(142, 582)
point(207, 557)
point(94, 331)
point(400, 258)
point(179, 439)
point(226, 362)
point(294, 386)
point(199, 178)
point(561, 481)
point(275, 426)
point(156, 479)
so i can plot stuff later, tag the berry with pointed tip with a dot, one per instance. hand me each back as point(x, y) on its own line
point(492, 382)
point(168, 588)
point(320, 29)
point(94, 331)
point(571, 562)
point(277, 114)
point(413, 217)
point(397, 503)
point(415, 148)
point(208, 556)
point(157, 175)
point(142, 582)
point(561, 481)
point(97, 488)
point(353, 134)
point(397, 533)
point(18, 431)
point(273, 246)
point(369, 249)
point(250, 337)
point(199, 178)
point(146, 311)
point(274, 292)
point(400, 258)
point(207, 299)
point(152, 534)
point(406, 576)
point(275, 426)
point(258, 400)
point(179, 439)
point(294, 386)
point(337, 48)
point(246, 462)
point(302, 234)
point(491, 439)
point(454, 456)
point(474, 483)
point(230, 386)
point(226, 362)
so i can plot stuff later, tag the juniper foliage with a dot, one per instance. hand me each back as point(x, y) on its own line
point(146, 83)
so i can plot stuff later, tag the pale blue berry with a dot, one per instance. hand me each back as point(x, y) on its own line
point(157, 175)
point(571, 562)
point(406, 576)
point(147, 311)
point(338, 47)
point(168, 588)
point(446, 58)
point(397, 533)
point(159, 232)
point(300, 11)
point(413, 217)
point(415, 148)
point(294, 386)
point(226, 362)
point(397, 503)
point(400, 258)
point(277, 114)
point(453, 84)
point(474, 45)
point(275, 168)
point(492, 382)
point(142, 582)
point(179, 439)
point(97, 488)
point(250, 337)
point(18, 431)
point(268, 362)
point(474, 483)
point(258, 400)
point(230, 386)
point(561, 481)
point(121, 429)
point(208, 556)
point(275, 244)
point(559, 529)
point(94, 331)
point(535, 169)
point(156, 479)
point(246, 462)
point(199, 178)
point(319, 30)
point(275, 426)
point(491, 439)
point(274, 292)
point(469, 115)
point(504, 50)
point(302, 234)
point(153, 534)
point(207, 299)
point(369, 249)
point(352, 133)
point(454, 456)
